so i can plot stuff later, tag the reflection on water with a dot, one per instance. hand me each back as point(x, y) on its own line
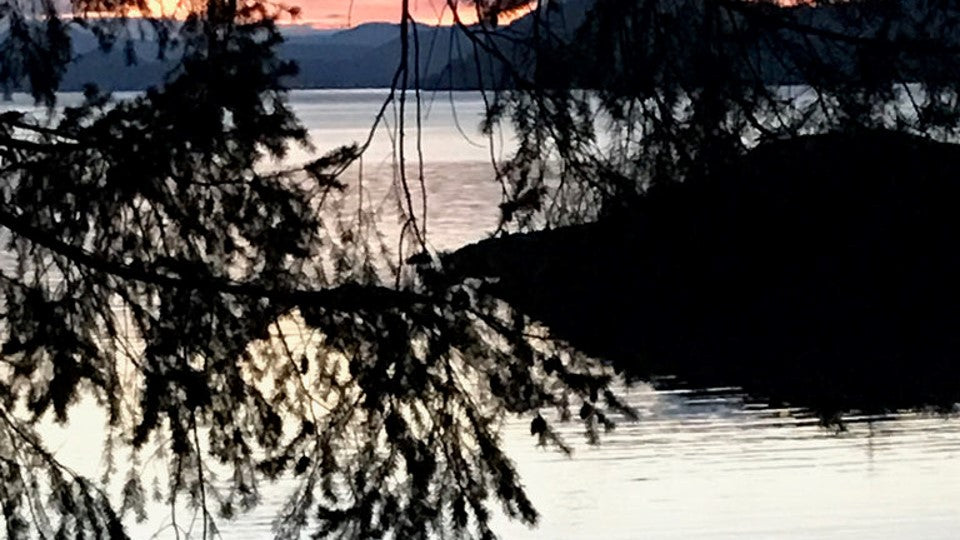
point(696, 465)
point(708, 466)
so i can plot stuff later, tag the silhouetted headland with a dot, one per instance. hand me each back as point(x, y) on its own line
point(819, 271)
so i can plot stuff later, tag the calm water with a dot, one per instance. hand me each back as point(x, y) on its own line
point(696, 466)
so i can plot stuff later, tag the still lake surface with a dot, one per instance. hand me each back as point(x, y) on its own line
point(697, 465)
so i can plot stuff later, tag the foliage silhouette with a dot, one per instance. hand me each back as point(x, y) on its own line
point(686, 235)
point(680, 85)
point(227, 318)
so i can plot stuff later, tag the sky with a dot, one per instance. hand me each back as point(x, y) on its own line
point(344, 13)
point(347, 13)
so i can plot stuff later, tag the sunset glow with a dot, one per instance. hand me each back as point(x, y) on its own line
point(346, 13)
point(333, 14)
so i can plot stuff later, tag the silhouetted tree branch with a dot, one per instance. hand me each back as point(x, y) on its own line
point(254, 329)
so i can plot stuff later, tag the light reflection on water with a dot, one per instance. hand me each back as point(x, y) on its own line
point(701, 465)
point(693, 469)
point(715, 470)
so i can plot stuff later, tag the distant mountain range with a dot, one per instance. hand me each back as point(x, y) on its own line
point(365, 56)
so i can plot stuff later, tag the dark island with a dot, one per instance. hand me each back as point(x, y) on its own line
point(819, 271)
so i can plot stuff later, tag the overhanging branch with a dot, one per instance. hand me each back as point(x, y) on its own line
point(347, 297)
